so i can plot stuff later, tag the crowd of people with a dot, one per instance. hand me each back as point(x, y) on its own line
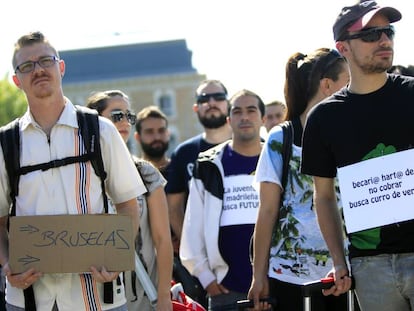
point(243, 210)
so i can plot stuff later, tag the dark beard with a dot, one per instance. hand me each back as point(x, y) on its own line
point(157, 152)
point(213, 122)
point(378, 68)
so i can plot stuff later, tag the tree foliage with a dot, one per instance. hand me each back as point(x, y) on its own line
point(12, 102)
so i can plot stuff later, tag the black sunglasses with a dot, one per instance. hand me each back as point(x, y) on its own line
point(118, 115)
point(372, 34)
point(205, 98)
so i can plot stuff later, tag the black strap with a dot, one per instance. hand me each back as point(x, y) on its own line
point(29, 299)
point(10, 144)
point(89, 127)
point(55, 163)
point(108, 292)
point(287, 128)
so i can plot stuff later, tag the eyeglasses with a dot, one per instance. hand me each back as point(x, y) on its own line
point(44, 62)
point(372, 34)
point(117, 116)
point(205, 98)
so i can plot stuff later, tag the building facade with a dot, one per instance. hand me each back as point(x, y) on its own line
point(155, 73)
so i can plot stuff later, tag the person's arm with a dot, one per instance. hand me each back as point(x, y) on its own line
point(266, 218)
point(176, 206)
point(160, 230)
point(330, 223)
point(20, 280)
point(130, 208)
point(193, 247)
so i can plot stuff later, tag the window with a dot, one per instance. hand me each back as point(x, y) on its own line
point(165, 100)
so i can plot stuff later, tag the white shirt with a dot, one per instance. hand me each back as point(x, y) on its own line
point(61, 191)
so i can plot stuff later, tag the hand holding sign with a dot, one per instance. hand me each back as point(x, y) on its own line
point(71, 243)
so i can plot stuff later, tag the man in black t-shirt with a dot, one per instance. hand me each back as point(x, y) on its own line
point(211, 106)
point(370, 118)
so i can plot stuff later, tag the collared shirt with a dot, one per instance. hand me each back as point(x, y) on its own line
point(70, 189)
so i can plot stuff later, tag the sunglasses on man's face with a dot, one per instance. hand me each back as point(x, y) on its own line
point(372, 34)
point(205, 97)
point(118, 115)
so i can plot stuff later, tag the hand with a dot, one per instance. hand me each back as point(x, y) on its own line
point(103, 275)
point(21, 280)
point(343, 281)
point(259, 289)
point(215, 288)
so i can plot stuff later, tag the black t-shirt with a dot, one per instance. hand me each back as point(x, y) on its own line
point(180, 169)
point(349, 128)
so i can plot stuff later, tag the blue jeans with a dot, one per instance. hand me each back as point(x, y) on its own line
point(384, 282)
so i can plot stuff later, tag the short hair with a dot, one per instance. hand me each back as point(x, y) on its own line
point(211, 81)
point(276, 103)
point(99, 100)
point(149, 112)
point(245, 92)
point(28, 40)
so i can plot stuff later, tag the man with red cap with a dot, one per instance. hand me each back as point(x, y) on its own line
point(364, 134)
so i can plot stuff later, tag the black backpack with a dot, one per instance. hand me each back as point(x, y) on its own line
point(10, 143)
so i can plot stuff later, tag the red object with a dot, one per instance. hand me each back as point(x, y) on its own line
point(182, 302)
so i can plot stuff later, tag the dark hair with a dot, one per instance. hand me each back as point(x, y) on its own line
point(99, 100)
point(245, 92)
point(149, 112)
point(211, 81)
point(402, 70)
point(303, 75)
point(28, 40)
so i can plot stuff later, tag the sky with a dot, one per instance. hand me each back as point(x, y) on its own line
point(245, 44)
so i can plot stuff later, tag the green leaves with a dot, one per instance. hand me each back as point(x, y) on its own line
point(12, 102)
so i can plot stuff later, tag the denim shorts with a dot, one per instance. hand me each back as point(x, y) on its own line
point(384, 282)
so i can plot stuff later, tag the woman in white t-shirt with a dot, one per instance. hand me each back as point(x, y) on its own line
point(289, 249)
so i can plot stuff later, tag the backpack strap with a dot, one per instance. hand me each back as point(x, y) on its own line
point(10, 144)
point(89, 127)
point(287, 128)
point(88, 122)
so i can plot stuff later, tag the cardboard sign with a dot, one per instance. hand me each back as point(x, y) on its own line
point(71, 243)
point(378, 191)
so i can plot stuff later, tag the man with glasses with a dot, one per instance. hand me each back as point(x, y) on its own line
point(49, 131)
point(211, 107)
point(350, 134)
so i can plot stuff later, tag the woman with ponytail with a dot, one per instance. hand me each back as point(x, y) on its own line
point(288, 247)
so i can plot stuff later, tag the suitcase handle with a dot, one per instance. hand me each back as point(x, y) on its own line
point(314, 286)
point(311, 287)
point(249, 303)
